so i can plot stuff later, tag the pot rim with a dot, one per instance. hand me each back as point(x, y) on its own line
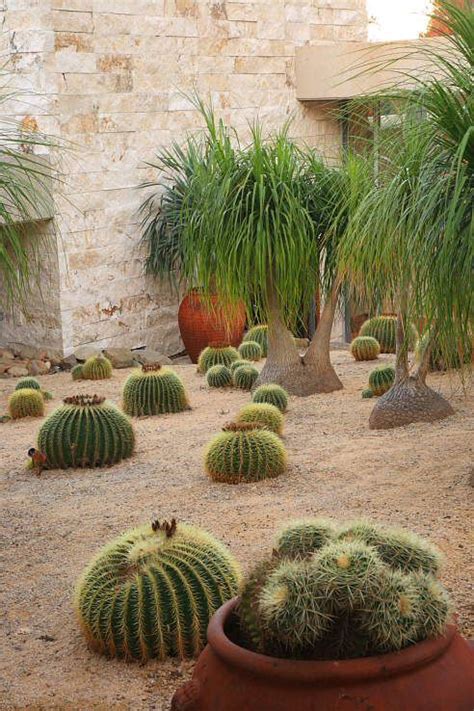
point(328, 672)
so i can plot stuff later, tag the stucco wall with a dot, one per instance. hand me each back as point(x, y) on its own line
point(109, 76)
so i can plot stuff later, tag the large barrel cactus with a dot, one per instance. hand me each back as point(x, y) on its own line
point(266, 414)
point(97, 368)
point(250, 350)
point(384, 330)
point(365, 348)
point(245, 452)
point(337, 593)
point(245, 377)
point(152, 591)
point(273, 395)
point(154, 390)
point(219, 376)
point(260, 335)
point(381, 379)
point(26, 402)
point(217, 354)
point(86, 431)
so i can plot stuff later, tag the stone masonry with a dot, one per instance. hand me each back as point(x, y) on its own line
point(107, 77)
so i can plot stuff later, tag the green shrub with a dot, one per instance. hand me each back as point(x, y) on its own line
point(219, 376)
point(381, 379)
point(154, 390)
point(152, 591)
point(76, 372)
point(340, 593)
point(216, 354)
point(250, 350)
point(245, 452)
point(85, 432)
point(273, 395)
point(245, 377)
point(365, 348)
point(266, 414)
point(97, 368)
point(26, 402)
point(259, 334)
point(384, 330)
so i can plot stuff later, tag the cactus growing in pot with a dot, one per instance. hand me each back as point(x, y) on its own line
point(250, 350)
point(365, 348)
point(219, 376)
point(245, 377)
point(273, 395)
point(259, 334)
point(154, 390)
point(381, 379)
point(97, 368)
point(217, 353)
point(26, 402)
point(266, 414)
point(151, 592)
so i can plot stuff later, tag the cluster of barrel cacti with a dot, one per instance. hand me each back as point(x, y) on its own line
point(219, 376)
point(339, 592)
point(245, 452)
point(152, 591)
point(273, 395)
point(250, 350)
point(154, 390)
point(217, 354)
point(244, 377)
point(365, 348)
point(86, 431)
point(384, 330)
point(259, 334)
point(96, 368)
point(381, 379)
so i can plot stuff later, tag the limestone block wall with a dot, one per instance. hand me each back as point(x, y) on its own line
point(108, 77)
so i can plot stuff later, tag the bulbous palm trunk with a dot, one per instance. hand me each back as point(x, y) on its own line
point(300, 375)
point(409, 399)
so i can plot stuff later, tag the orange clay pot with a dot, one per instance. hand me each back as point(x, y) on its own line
point(435, 675)
point(200, 325)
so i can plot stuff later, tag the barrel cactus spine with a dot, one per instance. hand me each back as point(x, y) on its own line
point(97, 368)
point(154, 390)
point(219, 376)
point(384, 330)
point(273, 395)
point(245, 452)
point(86, 431)
point(260, 335)
point(245, 377)
point(325, 595)
point(250, 350)
point(76, 372)
point(237, 363)
point(26, 402)
point(28, 382)
point(217, 353)
point(151, 592)
point(365, 348)
point(381, 379)
point(267, 414)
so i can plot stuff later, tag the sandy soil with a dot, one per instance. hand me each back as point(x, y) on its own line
point(416, 476)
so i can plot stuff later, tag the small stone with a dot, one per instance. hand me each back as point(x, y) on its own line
point(18, 371)
point(27, 352)
point(82, 353)
point(148, 355)
point(120, 357)
point(39, 367)
point(6, 355)
point(68, 362)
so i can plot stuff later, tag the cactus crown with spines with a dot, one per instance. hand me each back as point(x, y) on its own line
point(250, 350)
point(245, 377)
point(152, 591)
point(26, 402)
point(336, 593)
point(245, 452)
point(381, 379)
point(265, 413)
point(259, 334)
point(217, 353)
point(154, 390)
point(384, 330)
point(272, 394)
point(86, 431)
point(28, 382)
point(219, 376)
point(365, 348)
point(97, 368)
point(237, 363)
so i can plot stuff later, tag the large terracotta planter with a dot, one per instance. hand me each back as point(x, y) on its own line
point(436, 675)
point(200, 325)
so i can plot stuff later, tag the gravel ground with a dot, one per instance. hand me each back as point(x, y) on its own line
point(417, 476)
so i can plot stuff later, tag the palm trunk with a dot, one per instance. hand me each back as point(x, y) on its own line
point(299, 375)
point(409, 399)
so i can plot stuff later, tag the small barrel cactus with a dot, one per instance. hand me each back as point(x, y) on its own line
point(381, 379)
point(217, 353)
point(245, 452)
point(384, 330)
point(29, 382)
point(273, 395)
point(245, 377)
point(367, 393)
point(85, 432)
point(365, 348)
point(442, 358)
point(250, 350)
point(76, 372)
point(152, 591)
point(26, 402)
point(219, 376)
point(237, 363)
point(260, 335)
point(266, 414)
point(97, 368)
point(153, 390)
point(337, 593)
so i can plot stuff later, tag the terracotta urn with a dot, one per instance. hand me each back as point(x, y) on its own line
point(200, 324)
point(435, 675)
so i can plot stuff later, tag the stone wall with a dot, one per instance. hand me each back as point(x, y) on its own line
point(109, 77)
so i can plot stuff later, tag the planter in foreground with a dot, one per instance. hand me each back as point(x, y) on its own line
point(434, 675)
